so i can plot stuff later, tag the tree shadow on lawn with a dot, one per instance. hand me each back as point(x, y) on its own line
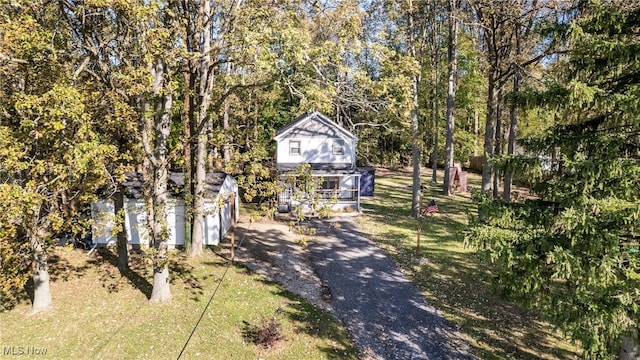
point(138, 274)
point(454, 281)
point(457, 285)
point(115, 280)
point(61, 269)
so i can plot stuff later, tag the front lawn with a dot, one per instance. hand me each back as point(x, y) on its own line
point(99, 314)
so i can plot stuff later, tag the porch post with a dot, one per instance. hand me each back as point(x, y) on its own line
point(232, 215)
point(358, 196)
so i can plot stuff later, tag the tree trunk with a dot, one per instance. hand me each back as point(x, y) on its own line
point(451, 96)
point(513, 123)
point(197, 239)
point(513, 132)
point(415, 133)
point(211, 162)
point(148, 201)
point(225, 126)
point(630, 350)
point(476, 120)
point(41, 290)
point(187, 124)
point(161, 291)
point(415, 147)
point(205, 83)
point(498, 143)
point(159, 178)
point(434, 151)
point(436, 116)
point(122, 243)
point(492, 103)
point(225, 123)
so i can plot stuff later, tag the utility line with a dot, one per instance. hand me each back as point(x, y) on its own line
point(213, 294)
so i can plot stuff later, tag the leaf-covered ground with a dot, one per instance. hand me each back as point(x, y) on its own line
point(451, 276)
point(100, 314)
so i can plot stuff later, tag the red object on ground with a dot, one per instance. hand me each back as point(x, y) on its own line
point(458, 178)
point(462, 176)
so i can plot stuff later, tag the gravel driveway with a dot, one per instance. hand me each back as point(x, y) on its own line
point(384, 312)
point(347, 274)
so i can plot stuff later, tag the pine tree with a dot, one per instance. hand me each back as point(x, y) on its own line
point(572, 252)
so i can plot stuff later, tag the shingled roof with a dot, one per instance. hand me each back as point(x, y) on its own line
point(302, 120)
point(133, 185)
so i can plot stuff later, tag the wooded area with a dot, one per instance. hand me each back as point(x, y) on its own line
point(547, 92)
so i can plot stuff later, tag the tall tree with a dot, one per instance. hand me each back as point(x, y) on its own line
point(406, 35)
point(532, 40)
point(228, 46)
point(494, 19)
point(416, 148)
point(451, 93)
point(572, 253)
point(156, 109)
point(96, 28)
point(52, 159)
point(152, 92)
point(204, 86)
point(498, 22)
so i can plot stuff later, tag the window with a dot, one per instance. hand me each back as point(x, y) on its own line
point(338, 147)
point(329, 187)
point(294, 147)
point(330, 183)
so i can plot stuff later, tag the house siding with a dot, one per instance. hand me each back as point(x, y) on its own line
point(315, 151)
point(103, 214)
point(136, 221)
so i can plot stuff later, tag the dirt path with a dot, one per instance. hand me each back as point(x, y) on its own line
point(270, 249)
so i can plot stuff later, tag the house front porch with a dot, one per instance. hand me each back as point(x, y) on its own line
point(339, 189)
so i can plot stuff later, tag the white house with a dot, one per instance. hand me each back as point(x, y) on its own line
point(330, 149)
point(218, 208)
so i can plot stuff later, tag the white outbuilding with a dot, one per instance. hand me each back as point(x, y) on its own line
point(219, 211)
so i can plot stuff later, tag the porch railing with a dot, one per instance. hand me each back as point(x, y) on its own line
point(341, 195)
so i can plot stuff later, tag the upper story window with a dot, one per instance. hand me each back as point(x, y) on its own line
point(338, 147)
point(294, 147)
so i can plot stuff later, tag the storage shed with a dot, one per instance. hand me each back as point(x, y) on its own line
point(218, 208)
point(367, 181)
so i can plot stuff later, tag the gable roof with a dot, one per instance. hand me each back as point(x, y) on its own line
point(305, 119)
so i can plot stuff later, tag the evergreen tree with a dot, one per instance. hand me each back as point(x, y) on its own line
point(572, 252)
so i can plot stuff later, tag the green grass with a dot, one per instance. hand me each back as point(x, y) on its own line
point(453, 278)
point(100, 314)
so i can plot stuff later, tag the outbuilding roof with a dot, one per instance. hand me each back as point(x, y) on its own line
point(133, 185)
